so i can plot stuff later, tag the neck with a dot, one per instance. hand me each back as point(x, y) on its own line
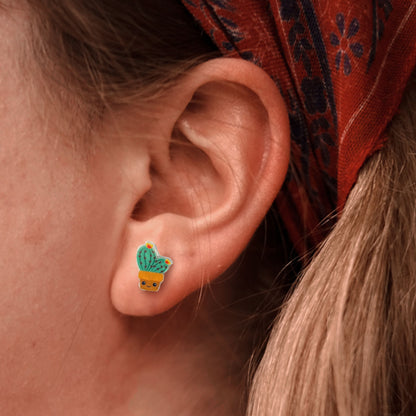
point(190, 360)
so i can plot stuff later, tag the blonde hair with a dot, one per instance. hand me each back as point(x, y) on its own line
point(105, 53)
point(345, 341)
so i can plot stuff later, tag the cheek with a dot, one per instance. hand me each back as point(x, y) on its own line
point(58, 240)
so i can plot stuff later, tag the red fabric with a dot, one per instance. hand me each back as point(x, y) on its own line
point(342, 67)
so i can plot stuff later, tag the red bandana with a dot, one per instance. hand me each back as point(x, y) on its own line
point(341, 67)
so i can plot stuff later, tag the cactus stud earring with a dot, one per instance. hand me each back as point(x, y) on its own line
point(152, 267)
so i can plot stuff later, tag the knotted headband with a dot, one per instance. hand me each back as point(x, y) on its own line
point(341, 67)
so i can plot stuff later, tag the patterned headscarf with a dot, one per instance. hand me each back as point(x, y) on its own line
point(341, 67)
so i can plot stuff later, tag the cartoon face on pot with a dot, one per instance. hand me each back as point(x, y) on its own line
point(152, 267)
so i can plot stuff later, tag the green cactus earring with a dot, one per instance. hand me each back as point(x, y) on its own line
point(152, 267)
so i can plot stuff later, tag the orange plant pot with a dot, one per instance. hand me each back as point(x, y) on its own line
point(150, 281)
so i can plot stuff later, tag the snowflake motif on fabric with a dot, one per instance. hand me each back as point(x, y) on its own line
point(345, 44)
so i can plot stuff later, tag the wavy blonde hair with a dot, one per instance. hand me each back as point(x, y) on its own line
point(345, 341)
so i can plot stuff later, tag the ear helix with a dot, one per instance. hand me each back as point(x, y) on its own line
point(152, 267)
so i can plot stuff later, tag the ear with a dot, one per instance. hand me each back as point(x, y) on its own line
point(220, 158)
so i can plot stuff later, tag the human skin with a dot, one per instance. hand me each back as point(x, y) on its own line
point(64, 349)
point(77, 336)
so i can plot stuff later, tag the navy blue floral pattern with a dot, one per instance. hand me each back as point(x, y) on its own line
point(381, 12)
point(289, 10)
point(386, 6)
point(350, 47)
point(314, 90)
point(317, 91)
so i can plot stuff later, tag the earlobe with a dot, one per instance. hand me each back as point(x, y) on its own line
point(216, 169)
